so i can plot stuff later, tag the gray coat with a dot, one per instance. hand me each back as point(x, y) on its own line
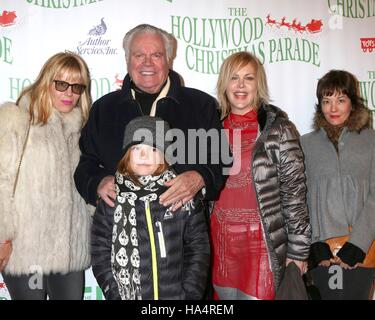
point(279, 179)
point(341, 185)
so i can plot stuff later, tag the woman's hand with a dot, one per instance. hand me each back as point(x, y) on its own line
point(302, 265)
point(345, 265)
point(327, 263)
point(338, 261)
point(5, 252)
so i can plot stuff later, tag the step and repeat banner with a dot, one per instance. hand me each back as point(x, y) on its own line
point(297, 41)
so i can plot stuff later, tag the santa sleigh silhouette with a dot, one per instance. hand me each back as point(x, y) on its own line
point(7, 18)
point(314, 26)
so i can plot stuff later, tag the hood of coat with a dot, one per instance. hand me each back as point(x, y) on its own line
point(358, 120)
point(268, 113)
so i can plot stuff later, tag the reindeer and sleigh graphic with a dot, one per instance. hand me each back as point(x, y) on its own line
point(7, 18)
point(314, 26)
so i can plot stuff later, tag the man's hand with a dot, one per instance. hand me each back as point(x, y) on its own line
point(106, 190)
point(5, 251)
point(182, 189)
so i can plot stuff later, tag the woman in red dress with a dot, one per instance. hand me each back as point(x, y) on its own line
point(260, 222)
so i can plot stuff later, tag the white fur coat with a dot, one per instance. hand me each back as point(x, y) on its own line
point(49, 225)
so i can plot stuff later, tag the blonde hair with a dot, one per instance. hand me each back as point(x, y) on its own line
point(125, 169)
point(230, 66)
point(63, 63)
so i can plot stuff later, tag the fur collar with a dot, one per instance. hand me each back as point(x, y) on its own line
point(72, 121)
point(358, 120)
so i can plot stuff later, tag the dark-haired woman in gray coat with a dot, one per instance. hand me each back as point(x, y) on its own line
point(340, 170)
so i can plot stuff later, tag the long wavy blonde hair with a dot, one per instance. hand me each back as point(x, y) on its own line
point(232, 65)
point(61, 64)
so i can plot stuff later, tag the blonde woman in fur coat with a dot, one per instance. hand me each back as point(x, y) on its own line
point(44, 223)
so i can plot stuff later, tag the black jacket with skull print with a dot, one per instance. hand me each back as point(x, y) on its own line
point(182, 266)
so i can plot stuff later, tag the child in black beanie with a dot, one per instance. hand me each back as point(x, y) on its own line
point(141, 249)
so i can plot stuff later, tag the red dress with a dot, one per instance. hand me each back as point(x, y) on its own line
point(241, 268)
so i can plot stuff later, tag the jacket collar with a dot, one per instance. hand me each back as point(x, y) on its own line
point(267, 114)
point(173, 92)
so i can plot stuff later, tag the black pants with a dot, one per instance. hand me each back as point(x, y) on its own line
point(57, 286)
point(354, 284)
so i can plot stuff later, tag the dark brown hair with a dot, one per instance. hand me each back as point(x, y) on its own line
point(342, 82)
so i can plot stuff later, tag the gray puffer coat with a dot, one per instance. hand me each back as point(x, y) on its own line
point(279, 179)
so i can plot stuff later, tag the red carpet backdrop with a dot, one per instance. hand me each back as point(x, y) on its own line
point(296, 40)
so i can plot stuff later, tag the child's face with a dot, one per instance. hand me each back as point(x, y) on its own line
point(144, 160)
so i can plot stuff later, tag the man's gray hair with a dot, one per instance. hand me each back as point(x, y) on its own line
point(168, 39)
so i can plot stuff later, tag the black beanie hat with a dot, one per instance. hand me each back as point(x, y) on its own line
point(148, 130)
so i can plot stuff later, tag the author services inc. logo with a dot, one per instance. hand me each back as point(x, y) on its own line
point(96, 43)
